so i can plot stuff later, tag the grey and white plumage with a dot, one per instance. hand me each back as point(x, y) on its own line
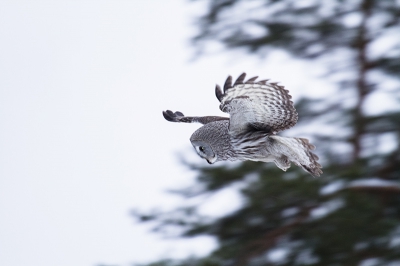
point(258, 111)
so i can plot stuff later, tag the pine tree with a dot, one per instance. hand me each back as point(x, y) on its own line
point(351, 214)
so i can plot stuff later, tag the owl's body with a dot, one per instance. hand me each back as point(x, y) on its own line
point(258, 110)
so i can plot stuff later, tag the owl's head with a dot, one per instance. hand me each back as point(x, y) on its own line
point(212, 141)
point(205, 151)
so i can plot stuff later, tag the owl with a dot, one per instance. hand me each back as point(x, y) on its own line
point(258, 110)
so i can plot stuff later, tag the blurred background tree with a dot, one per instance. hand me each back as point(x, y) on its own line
point(351, 214)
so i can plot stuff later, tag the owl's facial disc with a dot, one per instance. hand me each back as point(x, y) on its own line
point(205, 151)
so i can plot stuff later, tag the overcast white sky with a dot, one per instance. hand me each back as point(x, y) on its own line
point(82, 139)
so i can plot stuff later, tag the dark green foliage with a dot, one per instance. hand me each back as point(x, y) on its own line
point(352, 212)
point(187, 262)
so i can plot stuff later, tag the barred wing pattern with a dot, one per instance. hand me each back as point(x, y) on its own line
point(255, 105)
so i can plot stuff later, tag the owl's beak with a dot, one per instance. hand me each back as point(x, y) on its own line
point(212, 160)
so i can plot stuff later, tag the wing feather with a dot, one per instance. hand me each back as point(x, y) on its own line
point(180, 117)
point(257, 105)
point(228, 83)
point(240, 79)
point(218, 93)
point(251, 80)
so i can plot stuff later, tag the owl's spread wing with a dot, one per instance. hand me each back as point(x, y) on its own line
point(179, 117)
point(256, 105)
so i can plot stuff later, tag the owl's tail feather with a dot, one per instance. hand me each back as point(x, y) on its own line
point(313, 167)
point(298, 151)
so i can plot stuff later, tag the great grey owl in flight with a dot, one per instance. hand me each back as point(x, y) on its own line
point(258, 110)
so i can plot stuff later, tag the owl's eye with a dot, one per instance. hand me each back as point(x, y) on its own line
point(201, 148)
